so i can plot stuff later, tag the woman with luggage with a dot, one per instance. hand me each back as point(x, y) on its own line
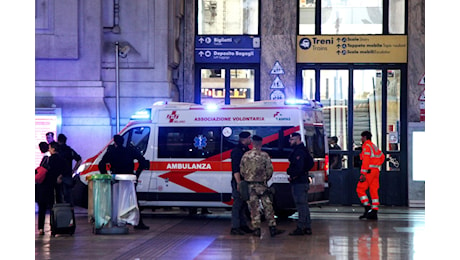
point(45, 190)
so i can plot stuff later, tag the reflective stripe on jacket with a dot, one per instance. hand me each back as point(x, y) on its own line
point(371, 156)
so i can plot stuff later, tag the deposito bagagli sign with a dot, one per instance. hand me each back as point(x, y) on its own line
point(352, 49)
point(227, 49)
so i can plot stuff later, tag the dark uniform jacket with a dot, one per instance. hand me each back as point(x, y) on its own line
point(121, 160)
point(45, 190)
point(236, 155)
point(69, 154)
point(300, 162)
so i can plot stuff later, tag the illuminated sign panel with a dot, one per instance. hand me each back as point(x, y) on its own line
point(46, 120)
point(352, 49)
point(227, 49)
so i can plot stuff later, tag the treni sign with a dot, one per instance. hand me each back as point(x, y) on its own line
point(352, 49)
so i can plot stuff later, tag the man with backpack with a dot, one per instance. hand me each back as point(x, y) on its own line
point(371, 158)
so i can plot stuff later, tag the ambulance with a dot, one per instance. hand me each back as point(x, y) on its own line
point(189, 146)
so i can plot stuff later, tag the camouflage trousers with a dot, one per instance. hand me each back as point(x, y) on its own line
point(260, 192)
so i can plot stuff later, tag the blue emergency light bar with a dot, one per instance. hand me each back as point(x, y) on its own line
point(311, 103)
point(160, 103)
point(143, 114)
point(211, 106)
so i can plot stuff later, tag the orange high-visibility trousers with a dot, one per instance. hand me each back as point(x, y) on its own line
point(372, 183)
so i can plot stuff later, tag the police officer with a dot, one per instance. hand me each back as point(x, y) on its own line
point(239, 207)
point(371, 158)
point(300, 162)
point(256, 168)
point(121, 160)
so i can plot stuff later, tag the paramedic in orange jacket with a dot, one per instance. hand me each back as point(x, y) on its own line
point(371, 158)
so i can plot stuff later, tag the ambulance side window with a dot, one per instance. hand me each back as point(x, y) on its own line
point(189, 142)
point(314, 135)
point(276, 139)
point(138, 138)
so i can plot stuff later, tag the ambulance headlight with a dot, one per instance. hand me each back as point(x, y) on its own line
point(83, 167)
point(142, 114)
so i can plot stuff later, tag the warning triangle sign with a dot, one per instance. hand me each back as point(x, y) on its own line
point(422, 80)
point(277, 83)
point(422, 96)
point(277, 69)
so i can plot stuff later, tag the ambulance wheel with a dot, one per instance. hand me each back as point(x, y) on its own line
point(192, 211)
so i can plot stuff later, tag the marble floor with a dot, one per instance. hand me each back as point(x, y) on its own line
point(174, 234)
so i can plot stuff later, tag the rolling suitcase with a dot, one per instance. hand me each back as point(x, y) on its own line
point(62, 219)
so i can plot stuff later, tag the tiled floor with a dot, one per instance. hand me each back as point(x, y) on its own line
point(337, 234)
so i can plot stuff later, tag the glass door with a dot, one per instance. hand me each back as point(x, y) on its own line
point(359, 98)
point(367, 105)
point(334, 97)
point(393, 120)
point(226, 85)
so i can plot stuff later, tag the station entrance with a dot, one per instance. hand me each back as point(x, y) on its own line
point(357, 98)
point(227, 83)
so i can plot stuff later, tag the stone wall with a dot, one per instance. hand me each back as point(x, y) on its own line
point(75, 62)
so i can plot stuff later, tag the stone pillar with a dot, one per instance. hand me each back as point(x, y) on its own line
point(416, 57)
point(187, 78)
point(278, 43)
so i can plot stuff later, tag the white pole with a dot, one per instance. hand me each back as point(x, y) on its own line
point(117, 83)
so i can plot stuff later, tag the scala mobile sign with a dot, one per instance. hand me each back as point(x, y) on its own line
point(227, 49)
point(352, 48)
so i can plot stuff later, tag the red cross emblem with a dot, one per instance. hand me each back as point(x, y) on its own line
point(173, 116)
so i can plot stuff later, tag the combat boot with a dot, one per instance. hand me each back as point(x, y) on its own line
point(246, 229)
point(274, 231)
point(366, 211)
point(297, 232)
point(236, 231)
point(372, 214)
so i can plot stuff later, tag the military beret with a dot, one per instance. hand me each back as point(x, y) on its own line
point(244, 134)
point(256, 138)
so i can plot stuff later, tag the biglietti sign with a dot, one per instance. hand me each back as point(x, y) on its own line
point(227, 49)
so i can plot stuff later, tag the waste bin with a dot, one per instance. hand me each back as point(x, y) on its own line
point(102, 200)
point(89, 179)
point(124, 207)
point(102, 216)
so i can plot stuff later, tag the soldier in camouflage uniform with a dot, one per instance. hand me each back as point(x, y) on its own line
point(256, 168)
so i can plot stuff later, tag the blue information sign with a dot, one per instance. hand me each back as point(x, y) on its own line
point(227, 49)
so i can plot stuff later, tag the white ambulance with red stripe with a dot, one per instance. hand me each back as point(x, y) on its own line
point(189, 146)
